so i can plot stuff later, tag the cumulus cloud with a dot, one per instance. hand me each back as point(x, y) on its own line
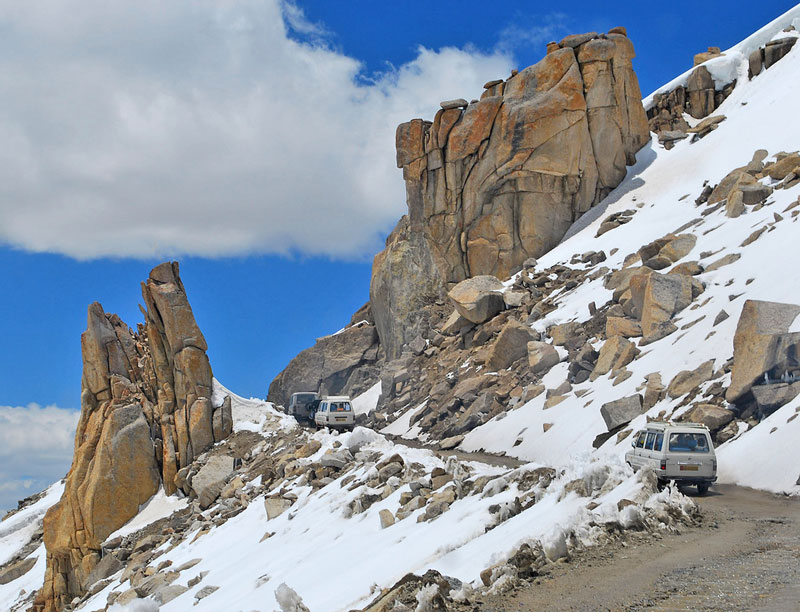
point(203, 127)
point(36, 445)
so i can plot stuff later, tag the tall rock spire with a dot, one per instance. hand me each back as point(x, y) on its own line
point(146, 412)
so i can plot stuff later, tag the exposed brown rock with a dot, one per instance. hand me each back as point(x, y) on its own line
point(616, 352)
point(687, 380)
point(621, 411)
point(340, 363)
point(713, 417)
point(145, 412)
point(712, 52)
point(541, 356)
point(479, 298)
point(622, 326)
point(502, 181)
point(762, 345)
point(511, 345)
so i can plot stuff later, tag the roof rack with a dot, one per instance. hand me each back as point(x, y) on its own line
point(674, 424)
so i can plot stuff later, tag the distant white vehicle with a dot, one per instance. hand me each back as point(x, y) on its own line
point(335, 412)
point(301, 405)
point(682, 452)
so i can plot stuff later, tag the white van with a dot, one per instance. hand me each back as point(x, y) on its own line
point(301, 405)
point(335, 411)
point(682, 452)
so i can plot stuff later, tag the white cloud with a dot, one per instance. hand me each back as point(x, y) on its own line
point(36, 446)
point(533, 31)
point(203, 127)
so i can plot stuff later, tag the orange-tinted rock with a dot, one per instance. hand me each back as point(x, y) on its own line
point(134, 430)
point(502, 181)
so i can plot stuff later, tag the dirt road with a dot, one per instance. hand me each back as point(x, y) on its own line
point(744, 556)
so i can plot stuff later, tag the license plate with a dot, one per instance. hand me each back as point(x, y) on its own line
point(341, 418)
point(689, 468)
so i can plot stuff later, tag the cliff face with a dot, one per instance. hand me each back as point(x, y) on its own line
point(494, 182)
point(346, 362)
point(146, 412)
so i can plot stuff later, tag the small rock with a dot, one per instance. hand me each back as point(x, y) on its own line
point(387, 518)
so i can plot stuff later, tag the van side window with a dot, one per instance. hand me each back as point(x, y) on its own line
point(648, 445)
point(659, 441)
point(640, 440)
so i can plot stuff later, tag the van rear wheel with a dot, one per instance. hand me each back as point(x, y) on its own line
point(702, 488)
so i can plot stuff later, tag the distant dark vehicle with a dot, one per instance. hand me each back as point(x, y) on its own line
point(300, 405)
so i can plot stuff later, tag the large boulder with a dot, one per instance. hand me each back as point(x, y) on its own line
point(511, 345)
point(616, 352)
point(664, 296)
point(541, 357)
point(713, 417)
point(146, 412)
point(772, 396)
point(621, 411)
point(687, 380)
point(762, 345)
point(479, 298)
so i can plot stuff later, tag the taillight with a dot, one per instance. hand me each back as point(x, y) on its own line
point(663, 464)
point(714, 464)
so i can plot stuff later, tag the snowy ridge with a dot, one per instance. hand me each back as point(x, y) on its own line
point(726, 68)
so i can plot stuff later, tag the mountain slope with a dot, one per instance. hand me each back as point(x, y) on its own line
point(281, 515)
point(662, 189)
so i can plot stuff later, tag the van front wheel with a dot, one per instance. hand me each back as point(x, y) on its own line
point(702, 488)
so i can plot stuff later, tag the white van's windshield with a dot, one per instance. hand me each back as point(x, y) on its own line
point(340, 406)
point(688, 443)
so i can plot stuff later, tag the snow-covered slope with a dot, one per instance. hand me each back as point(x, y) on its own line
point(662, 188)
point(339, 518)
point(335, 556)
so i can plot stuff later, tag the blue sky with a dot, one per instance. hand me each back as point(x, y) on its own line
point(253, 142)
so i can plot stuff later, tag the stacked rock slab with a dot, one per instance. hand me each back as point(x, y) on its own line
point(497, 182)
point(146, 412)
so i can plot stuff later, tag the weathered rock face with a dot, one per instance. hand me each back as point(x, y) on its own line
point(763, 345)
point(502, 180)
point(342, 363)
point(146, 411)
point(699, 98)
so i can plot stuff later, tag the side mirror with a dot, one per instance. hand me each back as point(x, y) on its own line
point(633, 442)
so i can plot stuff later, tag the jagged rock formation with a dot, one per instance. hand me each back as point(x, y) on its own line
point(501, 180)
point(146, 412)
point(701, 95)
point(346, 362)
point(699, 98)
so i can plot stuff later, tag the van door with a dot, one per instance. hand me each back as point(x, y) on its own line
point(647, 449)
point(637, 460)
point(691, 455)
